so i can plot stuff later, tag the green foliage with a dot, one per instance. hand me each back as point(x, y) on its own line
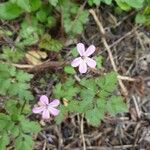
point(14, 82)
point(53, 2)
point(99, 61)
point(15, 125)
point(50, 44)
point(115, 105)
point(69, 70)
point(74, 17)
point(92, 97)
point(143, 17)
point(60, 90)
point(9, 11)
point(11, 55)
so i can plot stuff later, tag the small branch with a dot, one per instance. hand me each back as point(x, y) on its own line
point(102, 31)
point(37, 68)
point(82, 132)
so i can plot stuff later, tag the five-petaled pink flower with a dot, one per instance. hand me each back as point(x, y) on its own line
point(84, 59)
point(45, 108)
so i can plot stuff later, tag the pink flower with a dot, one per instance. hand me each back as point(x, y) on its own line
point(83, 61)
point(45, 108)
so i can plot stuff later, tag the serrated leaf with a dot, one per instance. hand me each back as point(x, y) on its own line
point(24, 142)
point(87, 95)
point(97, 2)
point(50, 44)
point(53, 2)
point(116, 105)
point(89, 84)
point(123, 5)
point(35, 4)
point(9, 11)
point(69, 70)
point(108, 82)
point(94, 116)
point(140, 18)
point(108, 2)
point(135, 3)
point(41, 15)
point(29, 126)
point(4, 121)
point(58, 90)
point(61, 115)
point(4, 140)
point(23, 76)
point(24, 4)
point(99, 61)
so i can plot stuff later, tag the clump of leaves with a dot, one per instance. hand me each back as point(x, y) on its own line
point(14, 126)
point(50, 44)
point(92, 97)
point(74, 17)
point(11, 55)
point(15, 82)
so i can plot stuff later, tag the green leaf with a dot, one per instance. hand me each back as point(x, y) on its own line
point(135, 3)
point(29, 126)
point(74, 52)
point(23, 76)
point(4, 121)
point(41, 15)
point(108, 82)
point(69, 70)
point(87, 95)
point(141, 19)
point(4, 141)
point(58, 92)
point(9, 11)
point(97, 2)
point(61, 115)
point(15, 131)
point(108, 2)
point(24, 142)
point(11, 55)
point(101, 104)
point(94, 116)
point(123, 5)
point(12, 107)
point(24, 4)
point(50, 44)
point(53, 2)
point(99, 61)
point(89, 84)
point(116, 105)
point(35, 4)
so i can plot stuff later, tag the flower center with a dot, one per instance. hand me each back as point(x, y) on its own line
point(83, 57)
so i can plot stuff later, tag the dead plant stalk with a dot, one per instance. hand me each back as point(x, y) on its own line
point(102, 31)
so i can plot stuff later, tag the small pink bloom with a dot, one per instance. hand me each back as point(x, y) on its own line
point(45, 108)
point(84, 60)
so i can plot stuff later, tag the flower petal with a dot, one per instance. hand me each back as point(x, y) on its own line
point(37, 110)
point(45, 114)
point(83, 67)
point(90, 62)
point(44, 100)
point(81, 49)
point(53, 111)
point(76, 62)
point(90, 50)
point(54, 103)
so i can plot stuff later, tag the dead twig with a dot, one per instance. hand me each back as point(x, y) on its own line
point(82, 132)
point(123, 88)
point(38, 68)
